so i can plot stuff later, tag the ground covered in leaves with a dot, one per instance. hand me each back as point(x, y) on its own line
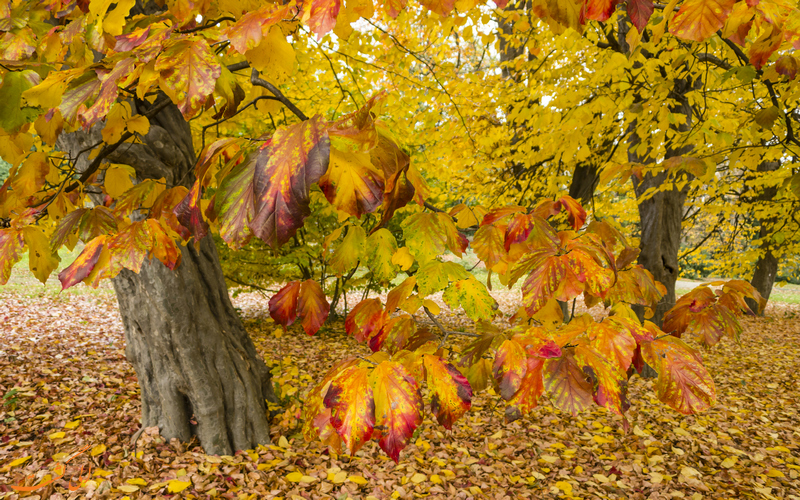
point(71, 407)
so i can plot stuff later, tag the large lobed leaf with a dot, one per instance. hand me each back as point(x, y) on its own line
point(398, 407)
point(295, 158)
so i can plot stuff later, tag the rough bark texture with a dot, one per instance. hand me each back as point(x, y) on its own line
point(189, 349)
point(192, 355)
point(767, 265)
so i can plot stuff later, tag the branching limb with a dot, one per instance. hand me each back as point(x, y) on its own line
point(255, 80)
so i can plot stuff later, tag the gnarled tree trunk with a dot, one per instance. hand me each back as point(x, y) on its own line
point(194, 360)
point(191, 354)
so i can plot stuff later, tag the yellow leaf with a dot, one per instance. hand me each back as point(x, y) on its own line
point(338, 477)
point(118, 179)
point(432, 306)
point(565, 487)
point(57, 435)
point(97, 450)
point(137, 481)
point(274, 56)
point(294, 477)
point(283, 442)
point(418, 478)
point(357, 480)
point(138, 125)
point(176, 486)
point(19, 461)
point(72, 425)
point(775, 473)
point(728, 462)
point(41, 259)
point(102, 472)
point(435, 479)
point(127, 488)
point(402, 257)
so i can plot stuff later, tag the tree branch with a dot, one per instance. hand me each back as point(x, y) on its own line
point(255, 80)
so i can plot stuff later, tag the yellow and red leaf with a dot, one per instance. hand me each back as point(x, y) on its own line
point(398, 407)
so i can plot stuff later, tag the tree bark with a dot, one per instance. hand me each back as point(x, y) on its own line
point(767, 265)
point(192, 355)
point(660, 219)
point(194, 360)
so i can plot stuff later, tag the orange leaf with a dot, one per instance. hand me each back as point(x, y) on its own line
point(312, 306)
point(352, 407)
point(699, 19)
point(451, 395)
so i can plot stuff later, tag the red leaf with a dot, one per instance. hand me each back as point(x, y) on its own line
point(575, 212)
point(312, 306)
point(600, 10)
point(235, 204)
point(296, 158)
point(283, 305)
point(83, 266)
point(320, 15)
point(365, 320)
point(398, 407)
point(163, 247)
point(190, 214)
point(510, 364)
point(640, 11)
point(189, 70)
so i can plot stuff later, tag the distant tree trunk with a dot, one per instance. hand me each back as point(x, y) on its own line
point(767, 265)
point(584, 181)
point(194, 360)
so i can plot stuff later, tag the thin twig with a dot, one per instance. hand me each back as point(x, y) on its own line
point(255, 80)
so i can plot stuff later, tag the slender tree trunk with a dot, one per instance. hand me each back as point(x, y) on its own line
point(767, 265)
point(660, 219)
point(198, 369)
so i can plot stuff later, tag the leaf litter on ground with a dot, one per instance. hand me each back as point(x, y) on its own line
point(71, 406)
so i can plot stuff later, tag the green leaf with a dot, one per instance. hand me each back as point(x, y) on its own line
point(15, 114)
point(473, 296)
point(350, 251)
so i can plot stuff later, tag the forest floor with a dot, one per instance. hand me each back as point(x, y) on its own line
point(70, 406)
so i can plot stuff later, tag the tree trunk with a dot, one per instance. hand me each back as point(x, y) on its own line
point(767, 265)
point(194, 360)
point(763, 277)
point(660, 219)
point(584, 181)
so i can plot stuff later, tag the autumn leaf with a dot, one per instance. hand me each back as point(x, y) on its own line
point(296, 157)
point(188, 70)
point(450, 393)
point(398, 407)
point(472, 296)
point(11, 246)
point(283, 305)
point(366, 319)
point(569, 387)
point(699, 19)
point(683, 382)
point(312, 306)
point(350, 399)
point(531, 388)
point(510, 366)
point(85, 264)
